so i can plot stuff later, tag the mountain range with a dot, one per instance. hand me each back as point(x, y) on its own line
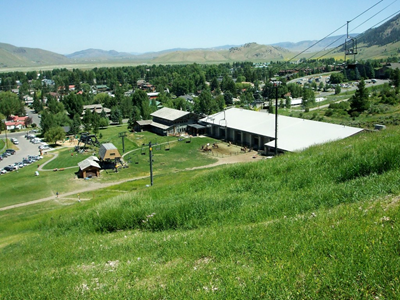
point(379, 42)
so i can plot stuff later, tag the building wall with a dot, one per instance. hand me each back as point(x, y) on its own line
point(238, 137)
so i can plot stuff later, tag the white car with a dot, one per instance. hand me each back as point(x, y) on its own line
point(3, 171)
point(44, 147)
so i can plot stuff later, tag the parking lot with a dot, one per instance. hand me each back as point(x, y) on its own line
point(25, 149)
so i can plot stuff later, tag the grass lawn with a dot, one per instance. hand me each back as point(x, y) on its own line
point(67, 157)
point(23, 186)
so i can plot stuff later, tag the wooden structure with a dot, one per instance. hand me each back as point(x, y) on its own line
point(109, 152)
point(109, 156)
point(89, 168)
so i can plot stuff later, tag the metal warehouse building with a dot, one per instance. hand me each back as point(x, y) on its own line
point(256, 130)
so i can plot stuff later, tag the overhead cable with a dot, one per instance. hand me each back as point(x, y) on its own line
point(333, 32)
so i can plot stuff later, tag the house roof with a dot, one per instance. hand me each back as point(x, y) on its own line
point(144, 122)
point(88, 162)
point(160, 126)
point(394, 66)
point(96, 107)
point(104, 148)
point(108, 146)
point(169, 114)
point(294, 134)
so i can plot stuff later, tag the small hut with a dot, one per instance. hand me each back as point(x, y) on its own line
point(109, 155)
point(89, 167)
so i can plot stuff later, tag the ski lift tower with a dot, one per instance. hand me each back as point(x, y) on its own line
point(350, 49)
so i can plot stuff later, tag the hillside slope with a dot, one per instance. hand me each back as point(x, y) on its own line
point(11, 56)
point(320, 224)
point(247, 52)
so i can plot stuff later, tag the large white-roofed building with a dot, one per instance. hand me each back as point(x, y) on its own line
point(256, 130)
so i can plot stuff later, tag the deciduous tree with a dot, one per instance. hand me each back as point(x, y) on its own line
point(54, 134)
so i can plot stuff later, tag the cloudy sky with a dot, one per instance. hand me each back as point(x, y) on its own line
point(145, 26)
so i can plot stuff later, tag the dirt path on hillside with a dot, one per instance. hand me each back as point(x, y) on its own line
point(239, 158)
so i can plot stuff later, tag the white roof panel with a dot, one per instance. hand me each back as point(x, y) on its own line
point(169, 113)
point(294, 134)
point(87, 163)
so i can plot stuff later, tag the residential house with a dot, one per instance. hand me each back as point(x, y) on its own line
point(16, 122)
point(97, 108)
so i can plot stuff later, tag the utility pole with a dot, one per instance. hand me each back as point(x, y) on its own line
point(276, 85)
point(151, 163)
point(122, 135)
point(5, 128)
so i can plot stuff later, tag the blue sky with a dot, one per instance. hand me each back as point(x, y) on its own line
point(154, 25)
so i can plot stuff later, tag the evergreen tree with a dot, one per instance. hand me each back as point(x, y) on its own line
point(116, 115)
point(396, 79)
point(76, 124)
point(37, 103)
point(95, 122)
point(132, 120)
point(87, 120)
point(359, 101)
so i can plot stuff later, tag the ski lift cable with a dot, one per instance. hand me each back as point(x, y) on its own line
point(351, 31)
point(366, 11)
point(333, 49)
point(333, 32)
point(374, 15)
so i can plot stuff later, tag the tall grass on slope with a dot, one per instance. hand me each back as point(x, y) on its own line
point(356, 169)
point(347, 252)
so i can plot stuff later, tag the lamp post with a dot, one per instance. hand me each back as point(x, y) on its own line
point(276, 85)
point(151, 163)
point(122, 135)
point(276, 120)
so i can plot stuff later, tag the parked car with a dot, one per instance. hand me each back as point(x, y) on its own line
point(11, 151)
point(44, 147)
point(27, 162)
point(5, 155)
point(9, 168)
point(3, 171)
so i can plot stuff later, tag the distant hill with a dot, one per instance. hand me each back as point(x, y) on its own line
point(328, 43)
point(250, 51)
point(97, 54)
point(12, 56)
point(380, 42)
point(387, 33)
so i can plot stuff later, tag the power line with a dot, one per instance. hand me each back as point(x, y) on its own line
point(333, 49)
point(333, 32)
point(352, 31)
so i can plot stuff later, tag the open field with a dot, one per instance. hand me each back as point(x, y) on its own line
point(170, 155)
point(320, 224)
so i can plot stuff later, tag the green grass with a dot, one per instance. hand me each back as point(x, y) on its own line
point(67, 158)
point(320, 224)
point(23, 186)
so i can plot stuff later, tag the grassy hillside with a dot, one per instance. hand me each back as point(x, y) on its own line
point(320, 224)
point(247, 52)
point(11, 56)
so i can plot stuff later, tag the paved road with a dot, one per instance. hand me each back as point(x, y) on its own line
point(35, 117)
point(25, 148)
